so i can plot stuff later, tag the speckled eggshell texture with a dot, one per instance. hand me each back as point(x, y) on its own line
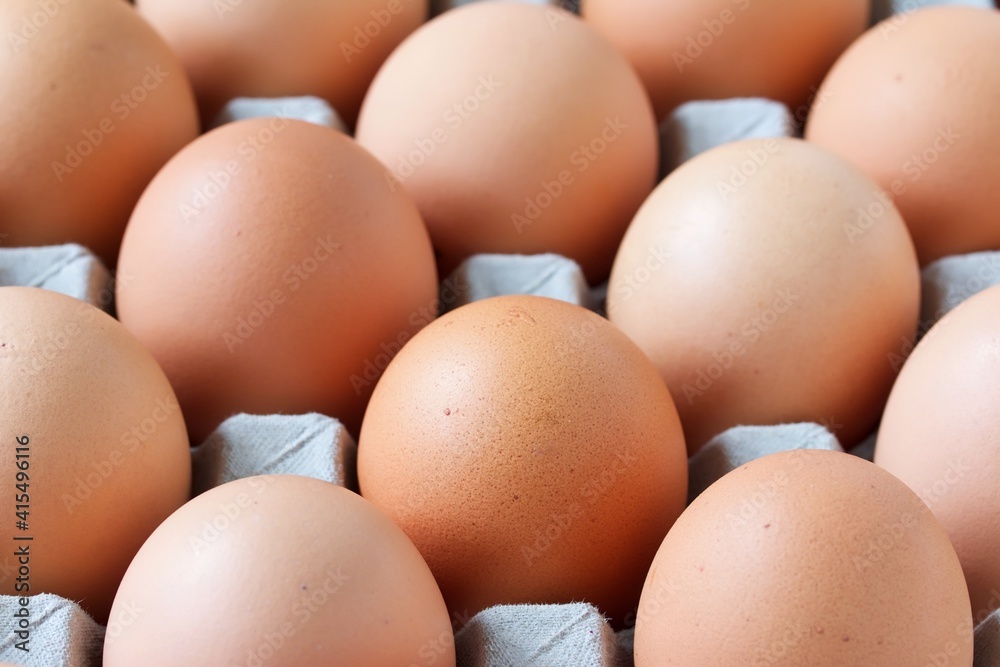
point(770, 281)
point(941, 435)
point(279, 570)
point(530, 451)
point(805, 558)
point(914, 104)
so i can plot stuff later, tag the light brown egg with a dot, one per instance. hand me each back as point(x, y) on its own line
point(805, 558)
point(941, 435)
point(769, 281)
point(95, 450)
point(272, 269)
point(914, 104)
point(282, 571)
point(96, 104)
point(714, 49)
point(280, 48)
point(517, 129)
point(530, 451)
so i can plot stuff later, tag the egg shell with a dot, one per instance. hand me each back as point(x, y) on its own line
point(769, 281)
point(687, 50)
point(914, 104)
point(805, 558)
point(940, 434)
point(96, 104)
point(530, 451)
point(284, 571)
point(283, 48)
point(272, 269)
point(524, 133)
point(106, 458)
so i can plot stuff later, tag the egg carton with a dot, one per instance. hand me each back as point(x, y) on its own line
point(567, 635)
point(313, 445)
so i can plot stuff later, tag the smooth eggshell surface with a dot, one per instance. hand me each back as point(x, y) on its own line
point(941, 435)
point(278, 570)
point(805, 558)
point(97, 103)
point(517, 129)
point(272, 269)
point(914, 104)
point(530, 451)
point(107, 454)
point(770, 281)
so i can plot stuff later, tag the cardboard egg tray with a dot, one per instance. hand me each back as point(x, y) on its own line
point(567, 635)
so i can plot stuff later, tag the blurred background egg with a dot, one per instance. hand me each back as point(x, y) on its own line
point(941, 435)
point(517, 129)
point(769, 281)
point(107, 455)
point(914, 103)
point(530, 451)
point(96, 104)
point(805, 558)
point(284, 571)
point(272, 269)
point(688, 50)
point(281, 48)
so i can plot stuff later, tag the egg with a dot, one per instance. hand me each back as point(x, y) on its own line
point(272, 269)
point(278, 570)
point(530, 451)
point(688, 50)
point(913, 103)
point(524, 132)
point(805, 558)
point(769, 281)
point(95, 450)
point(283, 48)
point(96, 104)
point(940, 434)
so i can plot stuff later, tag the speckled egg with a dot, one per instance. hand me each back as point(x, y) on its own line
point(530, 451)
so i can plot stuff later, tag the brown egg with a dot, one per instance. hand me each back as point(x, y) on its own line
point(530, 451)
point(714, 49)
point(278, 570)
point(272, 269)
point(805, 558)
point(941, 435)
point(523, 132)
point(95, 450)
point(233, 48)
point(769, 281)
point(96, 104)
point(913, 103)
